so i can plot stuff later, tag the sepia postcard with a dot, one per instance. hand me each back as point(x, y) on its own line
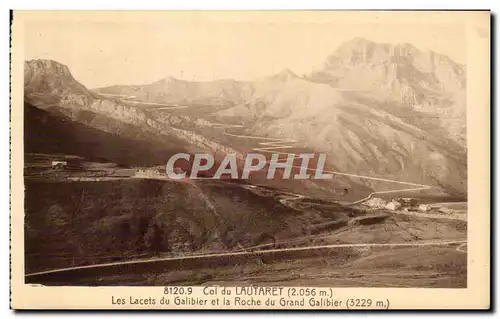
point(250, 160)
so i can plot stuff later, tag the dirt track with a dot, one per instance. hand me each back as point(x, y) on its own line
point(277, 143)
point(215, 260)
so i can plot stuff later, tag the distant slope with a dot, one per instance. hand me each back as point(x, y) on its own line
point(377, 109)
point(49, 133)
point(50, 87)
point(174, 91)
point(365, 135)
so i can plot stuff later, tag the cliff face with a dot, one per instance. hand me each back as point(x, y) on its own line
point(427, 82)
point(49, 83)
point(393, 68)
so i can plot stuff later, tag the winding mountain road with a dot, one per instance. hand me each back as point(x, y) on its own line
point(279, 143)
point(128, 99)
point(269, 145)
point(253, 253)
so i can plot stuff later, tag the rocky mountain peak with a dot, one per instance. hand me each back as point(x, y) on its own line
point(47, 67)
point(52, 82)
point(168, 79)
point(362, 51)
point(285, 75)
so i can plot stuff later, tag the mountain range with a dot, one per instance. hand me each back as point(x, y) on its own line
point(377, 109)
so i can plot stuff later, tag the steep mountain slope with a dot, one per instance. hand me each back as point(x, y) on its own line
point(46, 132)
point(377, 109)
point(392, 68)
point(428, 82)
point(49, 86)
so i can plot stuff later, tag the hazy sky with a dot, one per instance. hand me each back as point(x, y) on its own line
point(136, 51)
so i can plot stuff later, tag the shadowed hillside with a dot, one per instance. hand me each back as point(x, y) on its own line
point(50, 133)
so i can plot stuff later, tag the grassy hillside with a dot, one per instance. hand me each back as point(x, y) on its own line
point(122, 218)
